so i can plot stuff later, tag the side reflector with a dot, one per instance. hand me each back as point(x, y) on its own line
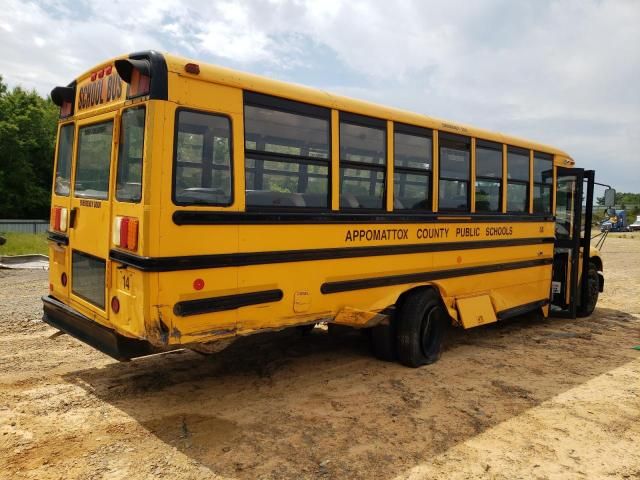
point(115, 304)
point(198, 284)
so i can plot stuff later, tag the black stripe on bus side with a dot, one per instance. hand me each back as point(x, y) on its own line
point(194, 262)
point(361, 284)
point(199, 217)
point(58, 238)
point(227, 302)
point(521, 309)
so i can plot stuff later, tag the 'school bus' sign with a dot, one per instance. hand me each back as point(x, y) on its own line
point(103, 86)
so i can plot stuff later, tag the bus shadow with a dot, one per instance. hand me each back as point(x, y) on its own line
point(282, 405)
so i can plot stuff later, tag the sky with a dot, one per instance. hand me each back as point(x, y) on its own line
point(564, 73)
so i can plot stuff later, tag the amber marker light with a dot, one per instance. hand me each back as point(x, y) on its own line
point(193, 68)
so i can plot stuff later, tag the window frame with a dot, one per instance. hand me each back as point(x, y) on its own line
point(271, 102)
point(121, 146)
point(367, 122)
point(525, 152)
point(415, 131)
point(498, 147)
point(174, 167)
point(455, 138)
point(547, 157)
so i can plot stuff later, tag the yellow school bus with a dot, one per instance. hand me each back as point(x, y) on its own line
point(194, 204)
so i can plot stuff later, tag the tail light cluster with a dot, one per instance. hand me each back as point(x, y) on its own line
point(137, 73)
point(59, 219)
point(125, 233)
point(139, 84)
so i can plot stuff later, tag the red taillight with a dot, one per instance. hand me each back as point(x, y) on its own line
point(66, 109)
point(115, 304)
point(139, 84)
point(125, 233)
point(56, 219)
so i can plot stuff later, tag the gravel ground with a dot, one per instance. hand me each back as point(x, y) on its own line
point(529, 398)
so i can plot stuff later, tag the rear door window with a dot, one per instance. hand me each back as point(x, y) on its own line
point(94, 161)
point(63, 167)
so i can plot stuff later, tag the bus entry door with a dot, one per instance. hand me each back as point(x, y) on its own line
point(567, 251)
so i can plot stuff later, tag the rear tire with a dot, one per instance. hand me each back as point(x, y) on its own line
point(383, 341)
point(422, 322)
point(588, 305)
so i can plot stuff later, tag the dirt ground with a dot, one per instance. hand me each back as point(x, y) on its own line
point(529, 398)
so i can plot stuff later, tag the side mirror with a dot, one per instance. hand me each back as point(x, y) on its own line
point(609, 197)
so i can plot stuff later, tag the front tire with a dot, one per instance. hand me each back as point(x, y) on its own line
point(588, 305)
point(422, 322)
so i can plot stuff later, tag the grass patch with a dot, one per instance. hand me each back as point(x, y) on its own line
point(24, 243)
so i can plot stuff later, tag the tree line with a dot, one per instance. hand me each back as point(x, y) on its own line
point(27, 139)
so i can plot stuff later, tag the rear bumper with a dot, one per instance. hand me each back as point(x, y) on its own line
point(108, 341)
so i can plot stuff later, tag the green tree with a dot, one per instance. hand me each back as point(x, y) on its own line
point(627, 198)
point(27, 137)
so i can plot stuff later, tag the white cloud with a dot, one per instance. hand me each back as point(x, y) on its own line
point(561, 72)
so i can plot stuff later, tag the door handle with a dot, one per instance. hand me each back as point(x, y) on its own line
point(72, 217)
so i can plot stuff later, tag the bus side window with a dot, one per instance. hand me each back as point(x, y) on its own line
point(455, 171)
point(287, 153)
point(517, 180)
point(542, 182)
point(488, 176)
point(202, 159)
point(412, 168)
point(363, 160)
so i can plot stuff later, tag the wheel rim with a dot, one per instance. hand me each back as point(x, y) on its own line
point(428, 337)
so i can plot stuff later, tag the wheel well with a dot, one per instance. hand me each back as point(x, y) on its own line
point(404, 294)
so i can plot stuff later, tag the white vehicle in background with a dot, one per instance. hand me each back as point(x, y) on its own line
point(635, 226)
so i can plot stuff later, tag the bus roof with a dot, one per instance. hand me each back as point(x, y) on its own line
point(257, 83)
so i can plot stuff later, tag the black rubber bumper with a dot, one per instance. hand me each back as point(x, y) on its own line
point(108, 341)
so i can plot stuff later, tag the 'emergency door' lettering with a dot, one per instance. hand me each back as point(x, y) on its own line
point(425, 233)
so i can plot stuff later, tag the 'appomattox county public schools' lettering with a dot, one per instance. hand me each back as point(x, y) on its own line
point(381, 234)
